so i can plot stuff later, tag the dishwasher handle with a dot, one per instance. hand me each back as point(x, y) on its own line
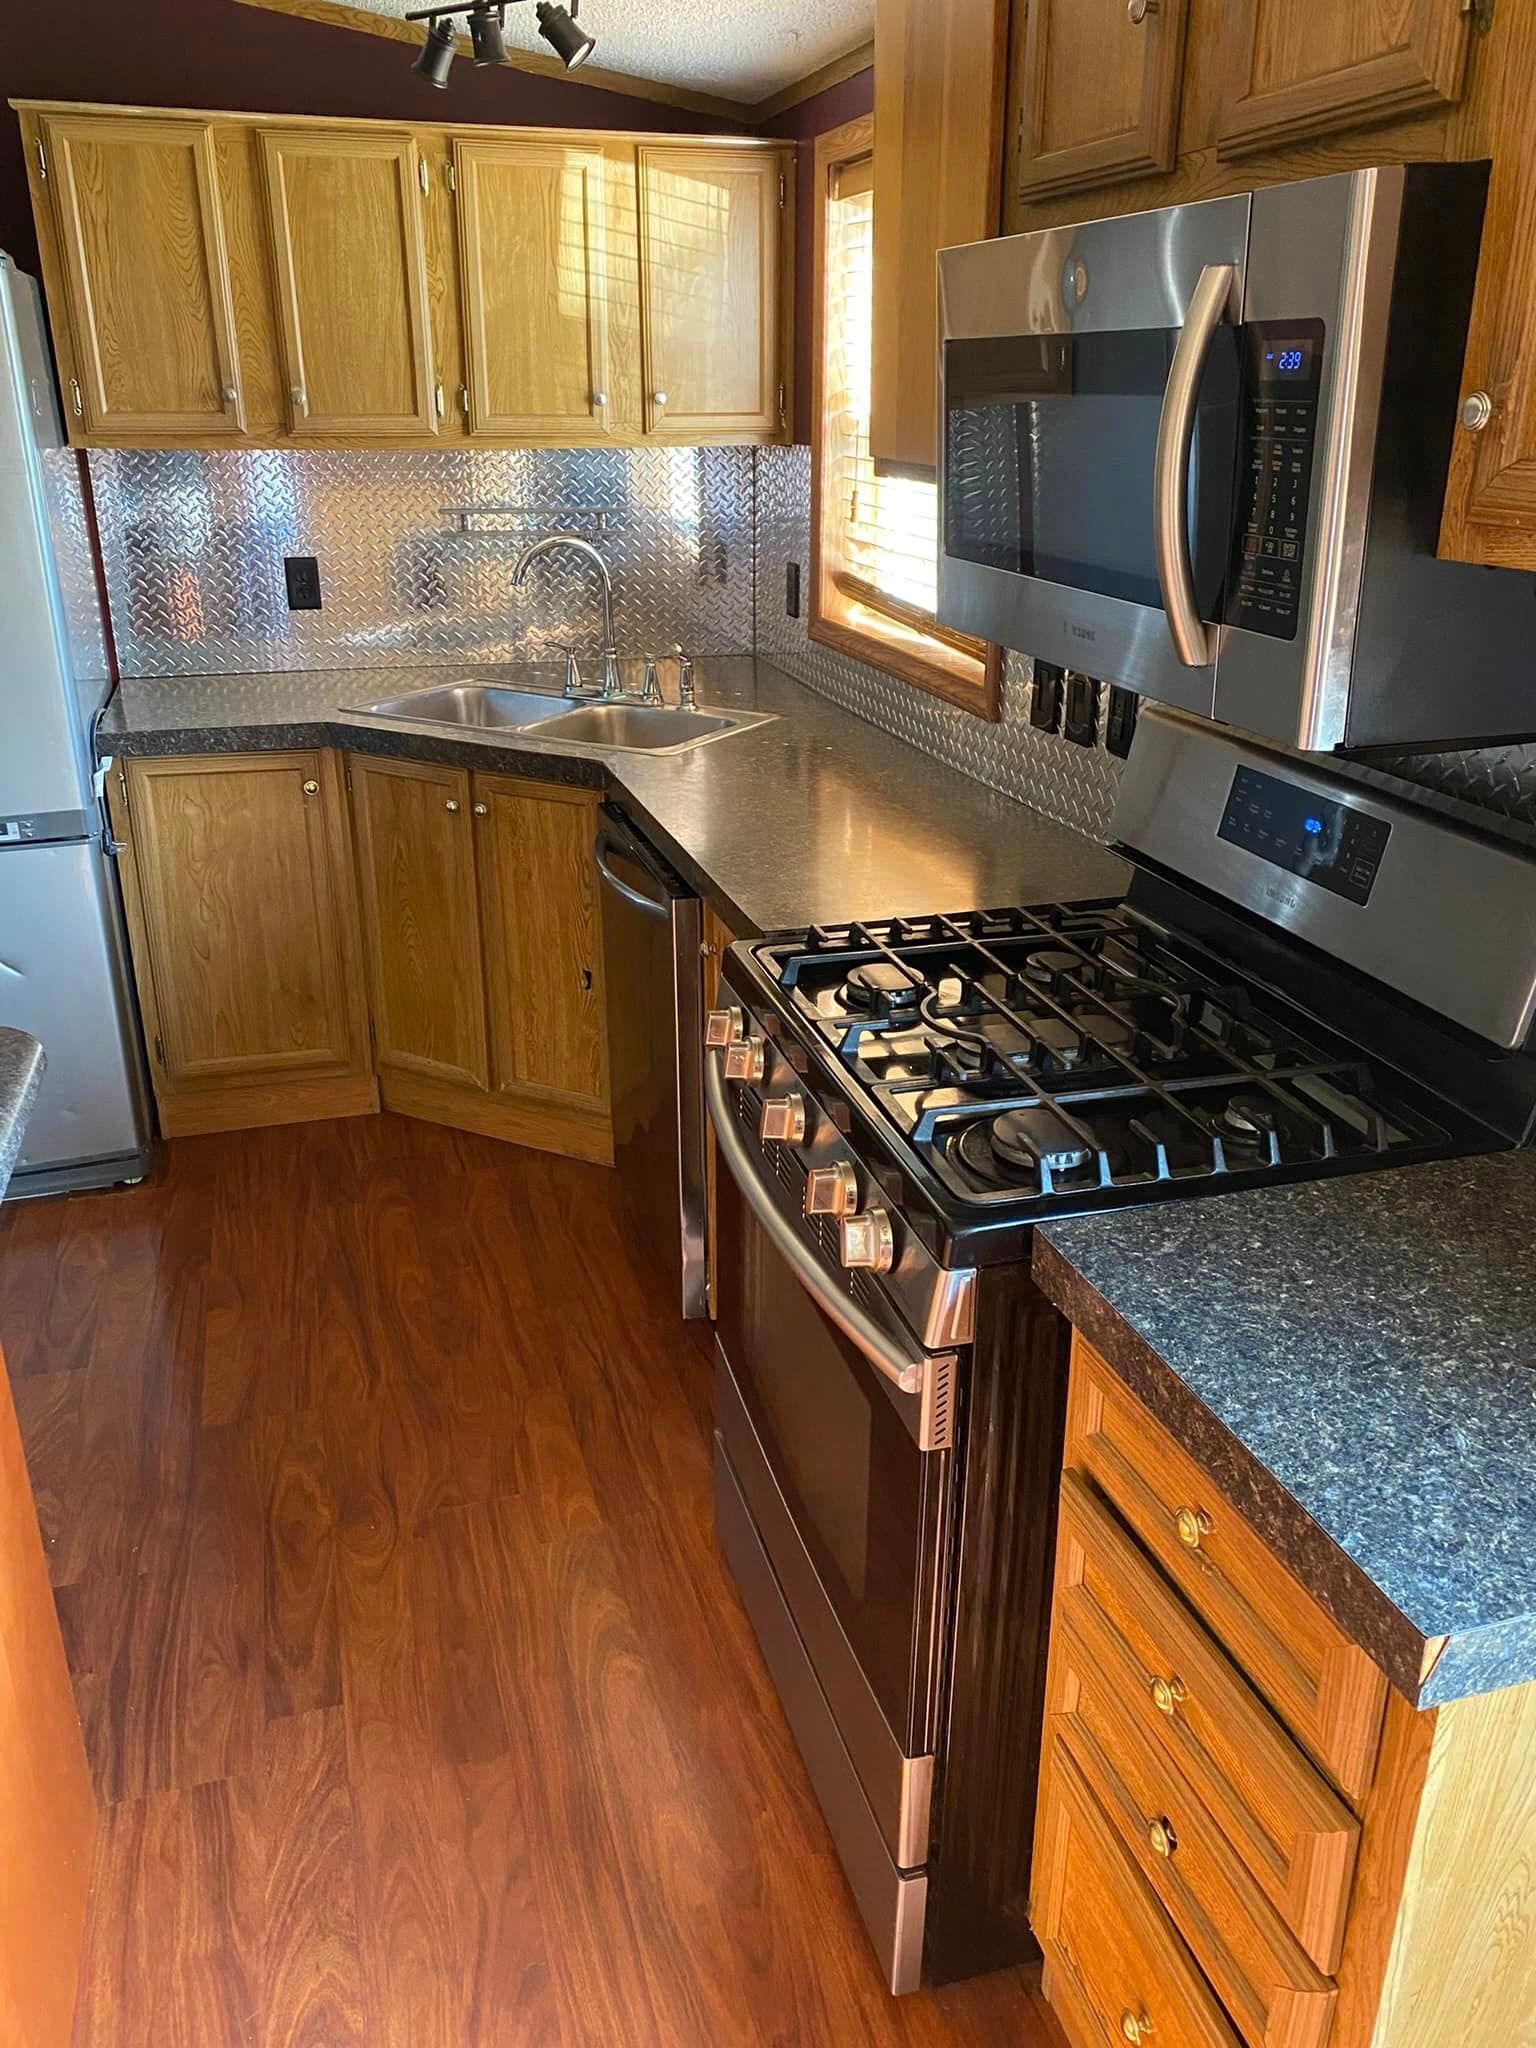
point(907, 1374)
point(646, 905)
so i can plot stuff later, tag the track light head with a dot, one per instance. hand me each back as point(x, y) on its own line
point(570, 43)
point(487, 20)
point(438, 53)
point(485, 34)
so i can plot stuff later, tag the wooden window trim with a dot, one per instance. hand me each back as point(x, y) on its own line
point(845, 613)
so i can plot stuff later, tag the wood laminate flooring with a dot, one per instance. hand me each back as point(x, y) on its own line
point(373, 1470)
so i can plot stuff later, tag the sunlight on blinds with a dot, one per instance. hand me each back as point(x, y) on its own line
point(886, 528)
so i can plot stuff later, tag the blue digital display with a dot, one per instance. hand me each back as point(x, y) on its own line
point(1286, 362)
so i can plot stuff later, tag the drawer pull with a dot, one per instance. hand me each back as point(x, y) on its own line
point(1167, 1693)
point(1135, 2025)
point(1192, 1524)
point(1162, 1837)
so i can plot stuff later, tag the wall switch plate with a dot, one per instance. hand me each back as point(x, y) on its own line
point(1120, 720)
point(303, 574)
point(1082, 720)
point(791, 590)
point(1045, 697)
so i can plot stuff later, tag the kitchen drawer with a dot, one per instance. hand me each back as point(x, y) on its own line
point(1323, 1686)
point(1290, 1827)
point(1275, 1995)
point(1115, 1971)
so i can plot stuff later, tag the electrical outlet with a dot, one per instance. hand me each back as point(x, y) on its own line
point(1045, 697)
point(791, 590)
point(1082, 720)
point(1120, 721)
point(303, 574)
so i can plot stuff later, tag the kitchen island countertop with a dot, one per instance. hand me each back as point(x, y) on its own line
point(21, 1072)
point(1353, 1361)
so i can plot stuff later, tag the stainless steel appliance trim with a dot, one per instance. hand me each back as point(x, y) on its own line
point(648, 906)
point(904, 1372)
point(692, 1185)
point(1195, 646)
point(899, 1787)
point(892, 1903)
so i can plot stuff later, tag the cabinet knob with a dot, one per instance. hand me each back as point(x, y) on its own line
point(1136, 11)
point(1135, 2026)
point(482, 810)
point(311, 789)
point(230, 393)
point(599, 398)
point(658, 398)
point(1192, 1524)
point(1160, 1834)
point(300, 399)
point(1167, 1693)
point(452, 804)
point(1476, 411)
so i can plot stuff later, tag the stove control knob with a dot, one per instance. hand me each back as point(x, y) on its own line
point(783, 1118)
point(869, 1242)
point(831, 1190)
point(724, 1027)
point(746, 1059)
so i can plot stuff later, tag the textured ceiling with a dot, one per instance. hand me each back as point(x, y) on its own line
point(740, 49)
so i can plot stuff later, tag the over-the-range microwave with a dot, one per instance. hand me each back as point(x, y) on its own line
point(1202, 452)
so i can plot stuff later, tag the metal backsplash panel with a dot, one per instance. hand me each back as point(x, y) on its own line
point(415, 553)
point(76, 565)
point(1075, 785)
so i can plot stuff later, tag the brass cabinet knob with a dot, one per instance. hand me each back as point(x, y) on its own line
point(451, 805)
point(311, 789)
point(1192, 1524)
point(1162, 1837)
point(831, 1190)
point(1476, 411)
point(723, 1027)
point(1167, 1693)
point(482, 810)
point(1135, 2025)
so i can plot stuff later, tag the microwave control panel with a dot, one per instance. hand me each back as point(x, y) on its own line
point(1274, 474)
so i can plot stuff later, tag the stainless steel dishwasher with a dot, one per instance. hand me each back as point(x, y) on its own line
point(652, 933)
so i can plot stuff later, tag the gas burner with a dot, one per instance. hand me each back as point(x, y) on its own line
point(1247, 1120)
point(1047, 964)
point(880, 989)
point(1037, 1136)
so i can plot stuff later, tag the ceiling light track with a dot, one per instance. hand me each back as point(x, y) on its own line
point(487, 21)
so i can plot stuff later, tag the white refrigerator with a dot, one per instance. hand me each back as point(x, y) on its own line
point(63, 959)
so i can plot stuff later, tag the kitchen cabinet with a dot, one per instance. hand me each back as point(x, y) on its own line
point(485, 968)
point(1098, 92)
point(712, 226)
point(940, 73)
point(349, 258)
point(139, 263)
point(1244, 1833)
point(237, 880)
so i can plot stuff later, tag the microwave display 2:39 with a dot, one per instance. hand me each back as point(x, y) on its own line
point(1274, 476)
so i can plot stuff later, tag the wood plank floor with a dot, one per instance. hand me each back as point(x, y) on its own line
point(373, 1472)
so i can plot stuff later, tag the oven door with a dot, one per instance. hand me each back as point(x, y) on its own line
point(1091, 393)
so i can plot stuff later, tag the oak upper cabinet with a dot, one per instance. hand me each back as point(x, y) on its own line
point(1295, 68)
point(349, 260)
point(1097, 92)
point(238, 882)
point(711, 257)
point(549, 291)
point(138, 244)
point(940, 73)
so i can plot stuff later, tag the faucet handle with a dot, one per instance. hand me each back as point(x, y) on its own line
point(650, 692)
point(687, 695)
point(572, 672)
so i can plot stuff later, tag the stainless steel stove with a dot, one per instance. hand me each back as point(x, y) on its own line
point(1305, 978)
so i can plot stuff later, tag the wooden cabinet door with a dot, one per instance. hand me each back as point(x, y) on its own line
point(543, 950)
point(416, 861)
point(1294, 68)
point(540, 260)
point(344, 208)
point(1097, 92)
point(145, 276)
point(940, 69)
point(244, 905)
point(711, 225)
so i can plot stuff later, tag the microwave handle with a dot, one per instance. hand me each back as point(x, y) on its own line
point(1170, 488)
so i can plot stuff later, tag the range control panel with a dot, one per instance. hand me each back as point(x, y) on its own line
point(1274, 476)
point(1306, 834)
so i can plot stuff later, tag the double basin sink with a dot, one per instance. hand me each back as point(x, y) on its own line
point(603, 725)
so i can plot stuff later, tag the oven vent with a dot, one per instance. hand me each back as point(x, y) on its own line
point(937, 1424)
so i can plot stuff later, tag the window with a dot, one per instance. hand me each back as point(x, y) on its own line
point(874, 538)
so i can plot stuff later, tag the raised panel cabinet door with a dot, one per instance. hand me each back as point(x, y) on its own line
point(543, 947)
point(245, 914)
point(711, 227)
point(344, 208)
point(416, 862)
point(539, 259)
point(146, 277)
point(1295, 68)
point(1097, 92)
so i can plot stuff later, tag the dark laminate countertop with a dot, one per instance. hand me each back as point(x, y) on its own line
point(1354, 1362)
point(21, 1070)
point(815, 818)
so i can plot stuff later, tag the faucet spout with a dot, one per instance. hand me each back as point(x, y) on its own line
point(612, 684)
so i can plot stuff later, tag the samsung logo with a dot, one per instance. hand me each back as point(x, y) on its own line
point(1288, 899)
point(1081, 632)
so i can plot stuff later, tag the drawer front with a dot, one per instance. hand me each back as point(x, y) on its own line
point(1325, 1688)
point(1115, 1969)
point(1276, 1996)
point(1294, 1833)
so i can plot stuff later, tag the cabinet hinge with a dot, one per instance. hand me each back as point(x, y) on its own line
point(75, 398)
point(42, 158)
point(464, 400)
point(439, 401)
point(122, 787)
point(452, 177)
point(1481, 12)
point(783, 410)
point(159, 1050)
point(783, 187)
point(423, 174)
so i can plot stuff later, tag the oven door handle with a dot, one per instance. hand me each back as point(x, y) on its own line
point(1192, 643)
point(906, 1373)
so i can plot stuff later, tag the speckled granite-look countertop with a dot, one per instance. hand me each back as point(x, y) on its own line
point(1354, 1363)
point(21, 1070)
point(814, 818)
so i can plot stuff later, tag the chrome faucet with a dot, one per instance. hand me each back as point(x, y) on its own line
point(612, 684)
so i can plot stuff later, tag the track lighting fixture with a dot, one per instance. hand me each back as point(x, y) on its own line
point(487, 19)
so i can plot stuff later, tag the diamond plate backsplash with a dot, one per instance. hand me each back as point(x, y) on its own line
point(415, 553)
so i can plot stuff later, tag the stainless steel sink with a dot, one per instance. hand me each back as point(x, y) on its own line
point(640, 728)
point(605, 727)
point(485, 706)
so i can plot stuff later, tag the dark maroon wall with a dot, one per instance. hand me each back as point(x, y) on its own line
point(214, 54)
point(801, 125)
